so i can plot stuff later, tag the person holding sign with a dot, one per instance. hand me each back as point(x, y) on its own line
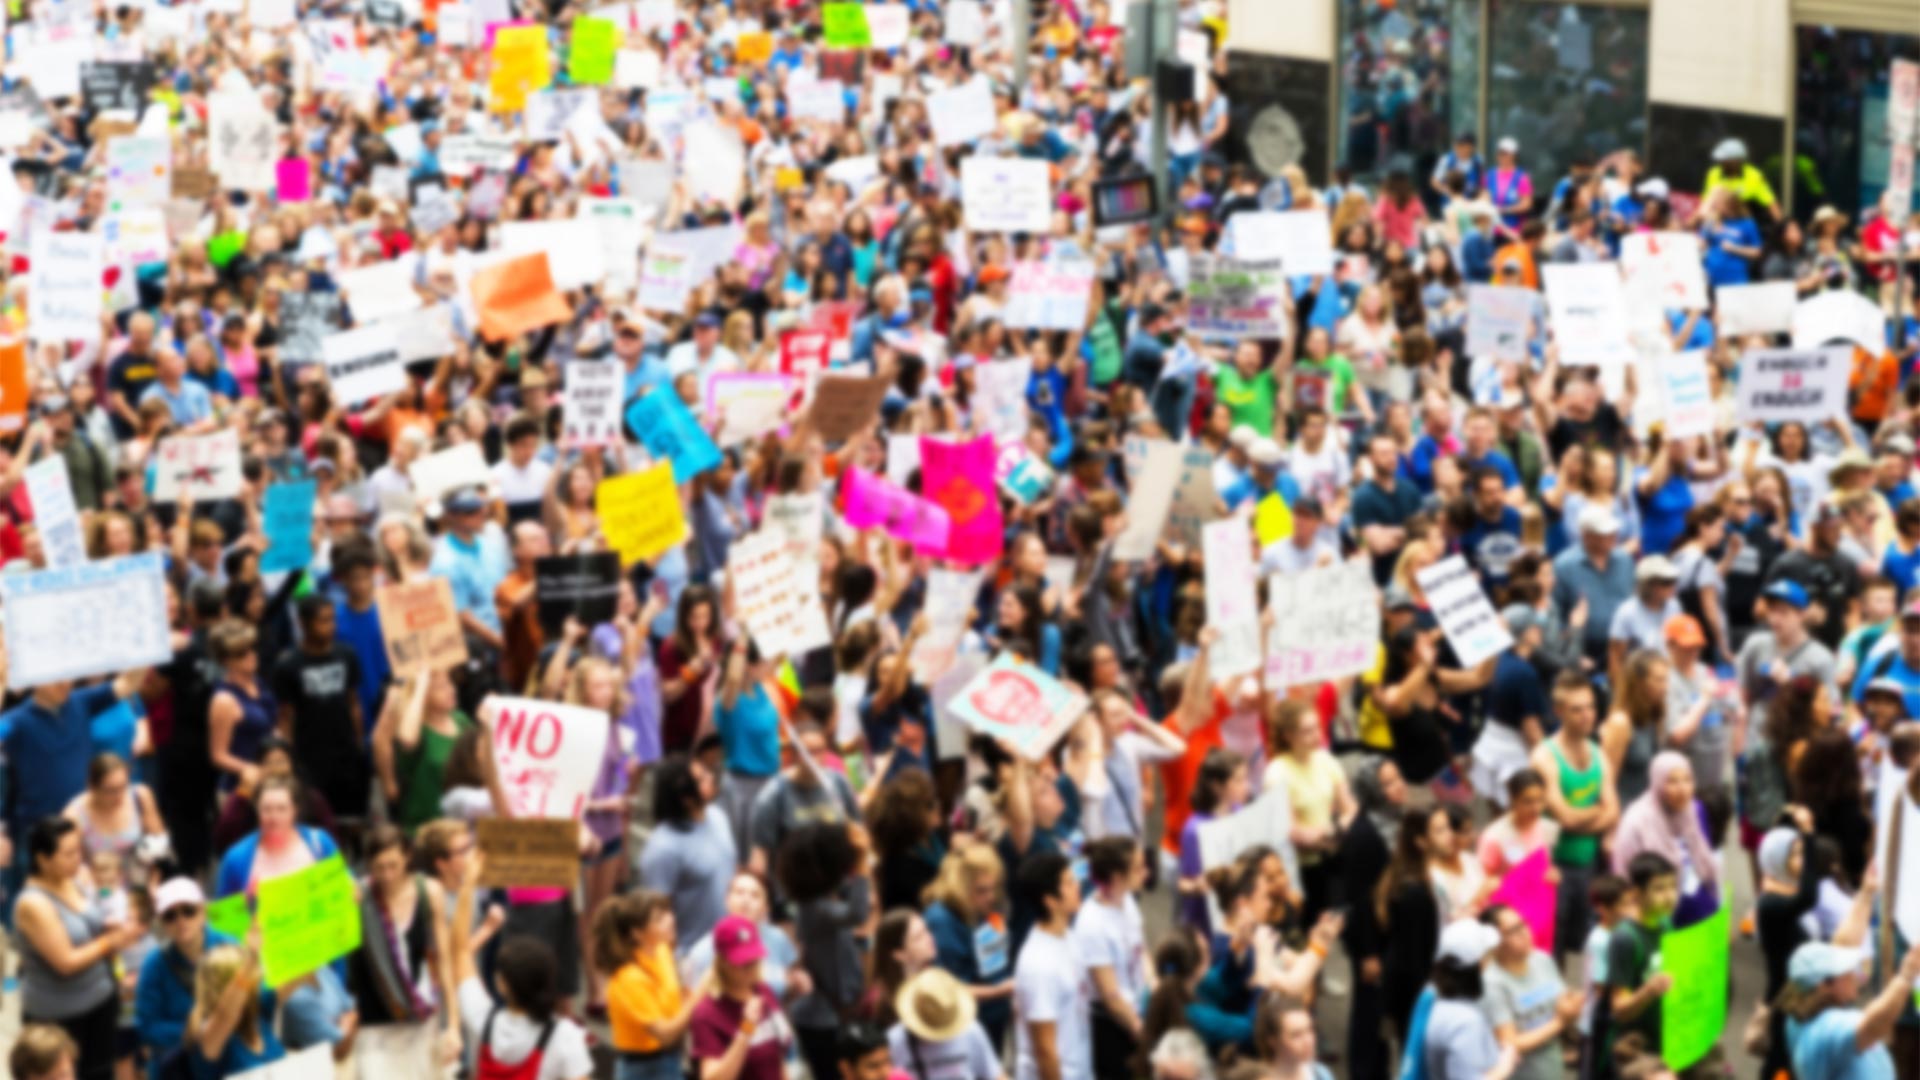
point(521, 1036)
point(412, 743)
point(1830, 1036)
point(278, 847)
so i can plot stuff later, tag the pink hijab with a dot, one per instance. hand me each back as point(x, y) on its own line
point(1647, 825)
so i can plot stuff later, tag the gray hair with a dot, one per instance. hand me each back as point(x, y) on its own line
point(1180, 1046)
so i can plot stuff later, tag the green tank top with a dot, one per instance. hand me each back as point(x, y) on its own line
point(1581, 788)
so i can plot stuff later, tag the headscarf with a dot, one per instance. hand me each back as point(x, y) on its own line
point(1775, 849)
point(1373, 800)
point(1649, 826)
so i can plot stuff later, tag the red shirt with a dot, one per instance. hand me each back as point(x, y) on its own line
point(1177, 774)
point(1881, 238)
point(717, 1019)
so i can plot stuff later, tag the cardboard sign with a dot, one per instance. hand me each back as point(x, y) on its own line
point(1326, 624)
point(308, 919)
point(590, 404)
point(1006, 195)
point(363, 364)
point(529, 853)
point(747, 404)
point(1808, 385)
point(780, 605)
point(548, 754)
point(640, 513)
point(50, 492)
point(99, 618)
point(1689, 395)
point(1454, 594)
point(421, 627)
point(287, 514)
point(1017, 702)
point(843, 405)
point(1499, 322)
point(64, 285)
point(209, 465)
point(1766, 308)
point(582, 587)
point(1587, 309)
point(1232, 299)
point(1152, 496)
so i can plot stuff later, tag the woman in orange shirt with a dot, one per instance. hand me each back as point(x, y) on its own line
point(647, 1011)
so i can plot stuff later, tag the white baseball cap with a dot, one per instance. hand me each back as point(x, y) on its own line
point(178, 891)
point(1468, 941)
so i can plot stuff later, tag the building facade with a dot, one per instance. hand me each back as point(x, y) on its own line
point(1373, 86)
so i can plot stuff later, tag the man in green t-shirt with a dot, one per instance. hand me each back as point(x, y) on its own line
point(1323, 379)
point(1248, 389)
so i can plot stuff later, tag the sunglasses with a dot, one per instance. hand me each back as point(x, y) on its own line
point(179, 911)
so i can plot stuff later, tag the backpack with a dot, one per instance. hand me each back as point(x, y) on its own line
point(487, 1067)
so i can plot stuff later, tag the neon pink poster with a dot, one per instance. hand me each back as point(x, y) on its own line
point(960, 479)
point(1528, 892)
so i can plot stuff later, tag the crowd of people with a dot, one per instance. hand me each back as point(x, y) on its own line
point(811, 859)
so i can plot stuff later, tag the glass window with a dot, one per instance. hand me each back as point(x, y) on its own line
point(1841, 142)
point(1564, 78)
point(1400, 65)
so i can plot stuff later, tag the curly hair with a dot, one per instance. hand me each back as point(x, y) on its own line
point(1789, 720)
point(902, 813)
point(815, 860)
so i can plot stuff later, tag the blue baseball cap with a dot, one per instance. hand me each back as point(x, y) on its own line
point(1787, 592)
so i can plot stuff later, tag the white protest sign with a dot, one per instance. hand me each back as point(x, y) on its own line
point(1839, 315)
point(887, 25)
point(136, 236)
point(590, 403)
point(781, 609)
point(966, 22)
point(1151, 497)
point(444, 470)
point(100, 618)
point(385, 288)
point(548, 754)
point(1666, 265)
point(1587, 308)
point(1233, 607)
point(1049, 296)
point(1326, 624)
point(1766, 308)
point(363, 363)
point(822, 99)
point(1000, 397)
point(422, 334)
point(576, 250)
point(241, 143)
point(1265, 822)
point(949, 606)
point(1808, 385)
point(855, 172)
point(1689, 395)
point(55, 517)
point(666, 279)
point(1460, 604)
point(461, 154)
point(713, 162)
point(748, 405)
point(1301, 239)
point(710, 248)
point(139, 171)
point(624, 227)
point(636, 69)
point(1499, 322)
point(961, 114)
point(209, 466)
point(315, 1062)
point(65, 285)
point(1232, 299)
point(1003, 194)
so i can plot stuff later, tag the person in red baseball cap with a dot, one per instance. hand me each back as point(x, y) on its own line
point(740, 1029)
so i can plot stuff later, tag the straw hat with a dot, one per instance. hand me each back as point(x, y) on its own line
point(934, 1006)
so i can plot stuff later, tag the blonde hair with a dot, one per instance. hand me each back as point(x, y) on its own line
point(576, 692)
point(38, 1050)
point(218, 968)
point(959, 871)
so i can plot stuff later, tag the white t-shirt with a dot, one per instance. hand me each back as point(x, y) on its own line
point(515, 1035)
point(518, 485)
point(1112, 937)
point(966, 1056)
point(1050, 986)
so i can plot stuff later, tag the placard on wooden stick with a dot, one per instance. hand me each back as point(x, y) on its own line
point(529, 852)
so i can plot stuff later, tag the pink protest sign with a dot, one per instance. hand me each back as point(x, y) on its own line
point(293, 180)
point(959, 477)
point(1528, 892)
point(873, 502)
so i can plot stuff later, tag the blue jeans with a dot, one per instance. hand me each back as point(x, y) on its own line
point(659, 1067)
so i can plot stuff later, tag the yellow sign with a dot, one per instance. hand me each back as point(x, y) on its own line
point(640, 513)
point(1272, 520)
point(521, 65)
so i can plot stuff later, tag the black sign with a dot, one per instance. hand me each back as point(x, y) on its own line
point(386, 13)
point(306, 318)
point(1125, 200)
point(109, 86)
point(586, 587)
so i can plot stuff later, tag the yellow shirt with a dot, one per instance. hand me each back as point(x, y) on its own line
point(647, 990)
point(1752, 185)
